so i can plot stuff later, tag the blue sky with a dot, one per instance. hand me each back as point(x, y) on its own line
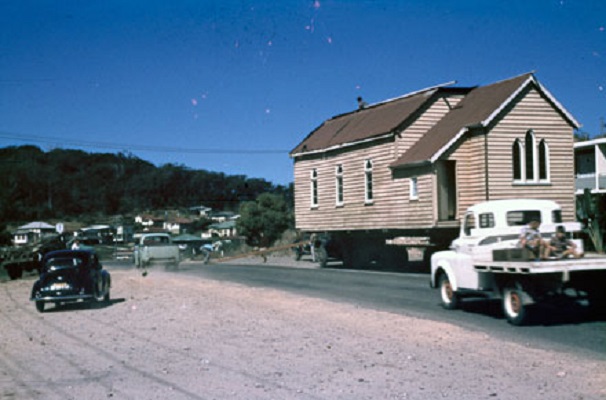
point(233, 86)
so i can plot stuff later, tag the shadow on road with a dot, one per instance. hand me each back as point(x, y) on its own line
point(83, 306)
point(553, 313)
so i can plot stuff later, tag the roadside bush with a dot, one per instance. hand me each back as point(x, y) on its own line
point(262, 221)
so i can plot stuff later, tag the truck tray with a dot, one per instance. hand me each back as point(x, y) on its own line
point(589, 263)
point(513, 254)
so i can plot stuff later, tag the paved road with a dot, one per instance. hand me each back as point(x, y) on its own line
point(569, 328)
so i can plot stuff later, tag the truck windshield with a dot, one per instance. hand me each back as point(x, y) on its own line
point(522, 217)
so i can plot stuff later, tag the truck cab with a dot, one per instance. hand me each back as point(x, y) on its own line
point(497, 224)
point(486, 260)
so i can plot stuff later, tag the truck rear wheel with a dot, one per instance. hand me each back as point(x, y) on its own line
point(513, 306)
point(450, 299)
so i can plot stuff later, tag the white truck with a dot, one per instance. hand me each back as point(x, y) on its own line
point(486, 260)
point(155, 248)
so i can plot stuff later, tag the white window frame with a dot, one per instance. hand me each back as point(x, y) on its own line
point(414, 188)
point(339, 195)
point(313, 186)
point(519, 148)
point(547, 178)
point(534, 151)
point(368, 182)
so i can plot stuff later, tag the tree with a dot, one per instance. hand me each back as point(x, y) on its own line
point(262, 221)
point(591, 210)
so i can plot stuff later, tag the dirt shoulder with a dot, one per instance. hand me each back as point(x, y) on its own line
point(172, 336)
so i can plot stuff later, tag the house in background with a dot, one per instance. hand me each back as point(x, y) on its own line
point(590, 166)
point(225, 229)
point(201, 211)
point(177, 225)
point(222, 216)
point(32, 232)
point(145, 220)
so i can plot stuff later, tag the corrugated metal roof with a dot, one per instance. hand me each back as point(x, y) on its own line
point(479, 107)
point(36, 225)
point(371, 122)
point(475, 109)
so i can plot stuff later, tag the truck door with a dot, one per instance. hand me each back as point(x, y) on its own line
point(467, 276)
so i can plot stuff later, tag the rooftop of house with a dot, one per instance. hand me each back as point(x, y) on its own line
point(478, 108)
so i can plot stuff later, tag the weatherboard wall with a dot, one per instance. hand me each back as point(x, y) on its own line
point(534, 112)
point(392, 207)
point(478, 152)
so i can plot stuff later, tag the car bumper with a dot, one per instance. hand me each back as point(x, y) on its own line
point(70, 297)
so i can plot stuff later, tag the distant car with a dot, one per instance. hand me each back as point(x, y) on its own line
point(69, 276)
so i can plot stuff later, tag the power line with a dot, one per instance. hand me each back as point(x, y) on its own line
point(135, 147)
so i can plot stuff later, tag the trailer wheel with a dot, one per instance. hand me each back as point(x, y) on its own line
point(513, 306)
point(322, 256)
point(14, 271)
point(450, 299)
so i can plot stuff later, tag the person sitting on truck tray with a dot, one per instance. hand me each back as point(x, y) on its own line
point(562, 247)
point(531, 239)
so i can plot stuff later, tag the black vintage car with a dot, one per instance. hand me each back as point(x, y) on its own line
point(69, 276)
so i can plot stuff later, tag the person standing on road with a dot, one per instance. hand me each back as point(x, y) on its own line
point(206, 250)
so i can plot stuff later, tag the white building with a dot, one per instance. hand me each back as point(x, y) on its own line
point(590, 165)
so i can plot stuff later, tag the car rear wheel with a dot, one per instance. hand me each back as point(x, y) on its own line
point(40, 306)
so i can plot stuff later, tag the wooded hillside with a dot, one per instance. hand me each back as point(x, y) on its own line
point(60, 183)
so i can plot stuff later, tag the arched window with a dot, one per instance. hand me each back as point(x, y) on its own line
point(530, 161)
point(517, 152)
point(543, 161)
point(339, 185)
point(530, 148)
point(314, 188)
point(368, 195)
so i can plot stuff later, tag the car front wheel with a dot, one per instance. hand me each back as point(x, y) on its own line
point(450, 299)
point(40, 306)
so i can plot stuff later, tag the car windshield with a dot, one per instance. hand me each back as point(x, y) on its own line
point(63, 262)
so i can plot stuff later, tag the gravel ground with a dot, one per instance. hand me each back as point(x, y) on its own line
point(167, 336)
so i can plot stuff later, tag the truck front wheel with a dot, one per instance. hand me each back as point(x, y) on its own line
point(513, 307)
point(450, 299)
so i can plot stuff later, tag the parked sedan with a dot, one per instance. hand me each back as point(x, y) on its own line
point(70, 276)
